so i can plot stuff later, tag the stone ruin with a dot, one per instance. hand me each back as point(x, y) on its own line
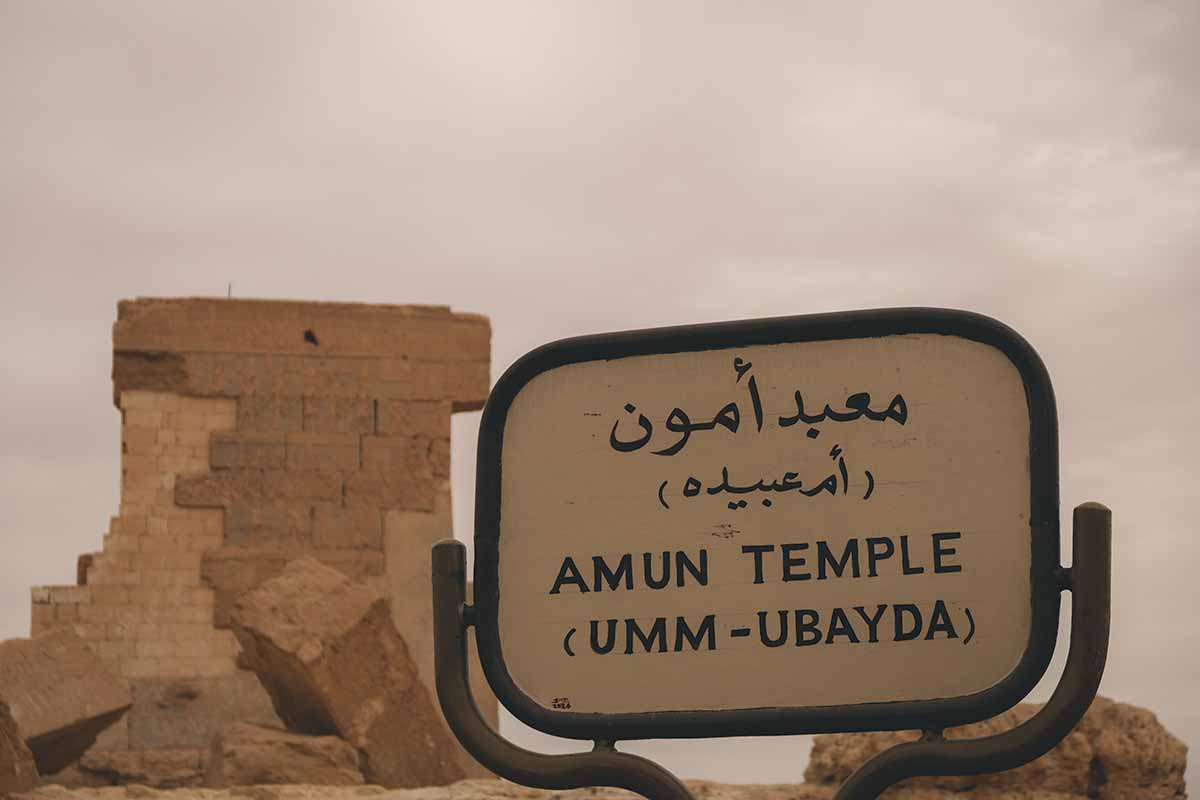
point(254, 433)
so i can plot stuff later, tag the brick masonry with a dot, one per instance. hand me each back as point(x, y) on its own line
point(252, 432)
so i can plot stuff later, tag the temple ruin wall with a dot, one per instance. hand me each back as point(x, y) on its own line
point(253, 432)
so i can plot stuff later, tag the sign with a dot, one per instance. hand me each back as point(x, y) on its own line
point(835, 522)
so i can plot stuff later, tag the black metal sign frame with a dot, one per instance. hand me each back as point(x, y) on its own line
point(1045, 572)
point(1088, 579)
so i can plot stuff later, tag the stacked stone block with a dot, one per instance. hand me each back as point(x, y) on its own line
point(254, 432)
point(143, 607)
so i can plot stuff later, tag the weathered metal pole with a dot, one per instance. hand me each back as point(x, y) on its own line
point(603, 766)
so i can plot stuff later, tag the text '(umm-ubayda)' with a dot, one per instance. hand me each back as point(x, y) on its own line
point(858, 558)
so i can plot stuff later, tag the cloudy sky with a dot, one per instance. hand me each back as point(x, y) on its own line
point(573, 168)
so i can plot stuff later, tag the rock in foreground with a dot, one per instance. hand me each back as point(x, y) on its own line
point(328, 654)
point(61, 695)
point(502, 790)
point(246, 755)
point(1117, 752)
point(463, 790)
point(17, 770)
point(166, 768)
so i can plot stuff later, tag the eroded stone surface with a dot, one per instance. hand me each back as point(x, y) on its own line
point(409, 537)
point(18, 773)
point(168, 768)
point(60, 695)
point(1116, 751)
point(463, 790)
point(1134, 755)
point(501, 790)
point(247, 755)
point(183, 714)
point(328, 654)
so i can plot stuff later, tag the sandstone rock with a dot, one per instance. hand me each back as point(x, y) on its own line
point(186, 714)
point(17, 770)
point(60, 694)
point(1064, 769)
point(463, 790)
point(153, 371)
point(167, 768)
point(408, 537)
point(76, 777)
point(1116, 751)
point(247, 755)
point(1135, 756)
point(233, 571)
point(328, 653)
point(82, 565)
point(503, 790)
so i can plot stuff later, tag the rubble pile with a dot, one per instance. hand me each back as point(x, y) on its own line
point(250, 755)
point(329, 655)
point(18, 773)
point(1117, 751)
point(60, 695)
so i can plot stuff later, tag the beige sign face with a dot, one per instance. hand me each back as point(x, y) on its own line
point(788, 525)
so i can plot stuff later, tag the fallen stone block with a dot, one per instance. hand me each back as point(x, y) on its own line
point(168, 768)
point(17, 770)
point(61, 695)
point(186, 714)
point(76, 777)
point(329, 655)
point(248, 755)
point(232, 571)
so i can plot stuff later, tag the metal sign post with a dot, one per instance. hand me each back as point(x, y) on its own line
point(830, 523)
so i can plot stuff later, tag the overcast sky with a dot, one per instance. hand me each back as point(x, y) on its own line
point(574, 168)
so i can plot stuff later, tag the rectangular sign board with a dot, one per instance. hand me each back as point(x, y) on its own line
point(837, 522)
